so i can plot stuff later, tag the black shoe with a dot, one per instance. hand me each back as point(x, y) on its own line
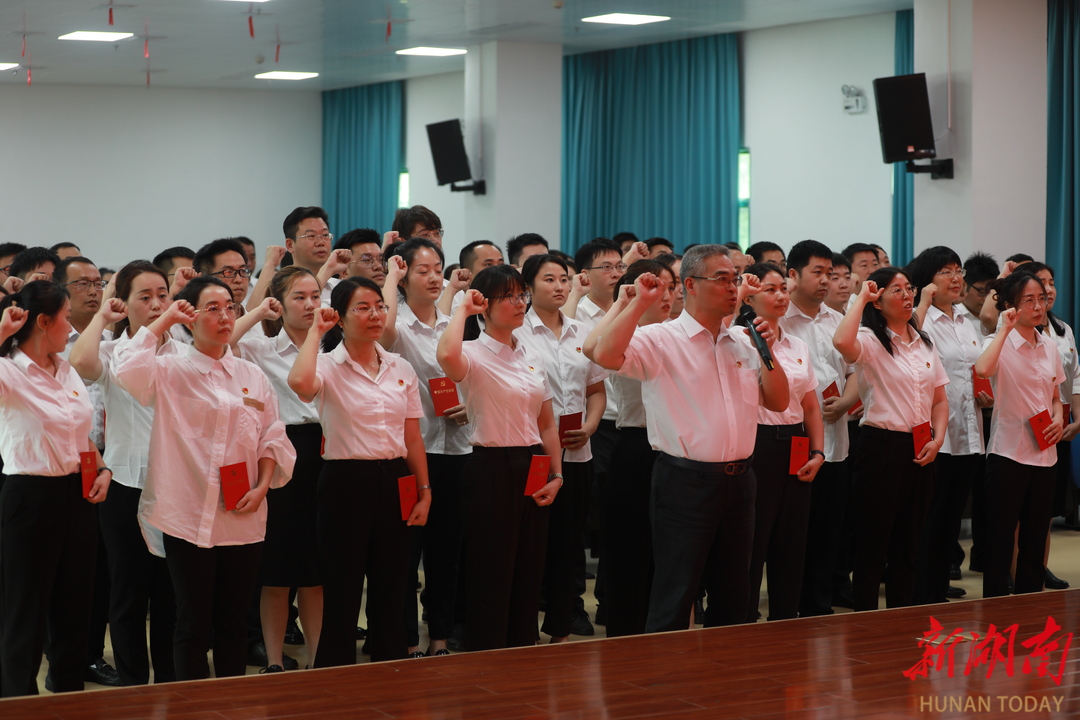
point(102, 673)
point(416, 654)
point(975, 566)
point(954, 572)
point(589, 575)
point(843, 599)
point(601, 615)
point(293, 635)
point(437, 653)
point(955, 592)
point(699, 612)
point(1053, 582)
point(456, 641)
point(271, 669)
point(361, 633)
point(49, 684)
point(257, 657)
point(365, 649)
point(580, 625)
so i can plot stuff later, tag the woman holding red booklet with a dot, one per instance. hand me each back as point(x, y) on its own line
point(374, 463)
point(906, 414)
point(510, 416)
point(1025, 426)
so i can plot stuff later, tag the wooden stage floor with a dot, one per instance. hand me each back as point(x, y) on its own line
point(841, 666)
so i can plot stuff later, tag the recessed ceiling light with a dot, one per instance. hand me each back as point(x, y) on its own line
point(282, 75)
point(625, 19)
point(251, 0)
point(8, 66)
point(432, 52)
point(96, 36)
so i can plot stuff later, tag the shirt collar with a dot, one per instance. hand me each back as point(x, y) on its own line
point(282, 343)
point(937, 314)
point(497, 347)
point(204, 363)
point(1017, 340)
point(590, 307)
point(24, 363)
point(409, 317)
point(692, 327)
point(341, 356)
point(570, 326)
point(794, 312)
point(900, 340)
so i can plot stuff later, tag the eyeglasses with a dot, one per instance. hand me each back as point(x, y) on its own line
point(734, 280)
point(6, 269)
point(899, 292)
point(515, 299)
point(426, 232)
point(369, 261)
point(1030, 301)
point(214, 310)
point(980, 291)
point(608, 267)
point(231, 272)
point(328, 237)
point(85, 285)
point(950, 274)
point(369, 310)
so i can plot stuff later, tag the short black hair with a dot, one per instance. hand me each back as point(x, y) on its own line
point(204, 258)
point(293, 220)
point(167, 256)
point(927, 264)
point(64, 246)
point(802, 251)
point(758, 250)
point(840, 260)
point(654, 241)
point(405, 219)
point(855, 248)
point(11, 249)
point(516, 244)
point(1020, 258)
point(593, 249)
point(566, 259)
point(621, 237)
point(468, 253)
point(979, 267)
point(60, 273)
point(359, 236)
point(244, 240)
point(31, 258)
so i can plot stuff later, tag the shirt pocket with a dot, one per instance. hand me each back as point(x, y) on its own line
point(749, 386)
point(194, 419)
point(248, 427)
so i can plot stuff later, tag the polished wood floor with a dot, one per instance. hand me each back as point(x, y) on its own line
point(841, 666)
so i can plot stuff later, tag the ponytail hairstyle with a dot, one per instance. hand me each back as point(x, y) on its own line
point(407, 251)
point(279, 288)
point(491, 282)
point(340, 298)
point(1010, 289)
point(639, 268)
point(872, 317)
point(41, 297)
point(758, 270)
point(123, 281)
point(1037, 267)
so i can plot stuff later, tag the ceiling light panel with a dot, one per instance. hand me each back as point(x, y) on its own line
point(282, 75)
point(432, 52)
point(91, 36)
point(625, 19)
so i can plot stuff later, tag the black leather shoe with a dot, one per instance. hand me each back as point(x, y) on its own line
point(293, 635)
point(49, 684)
point(416, 654)
point(271, 669)
point(699, 612)
point(257, 657)
point(580, 625)
point(1053, 582)
point(955, 592)
point(601, 615)
point(954, 572)
point(438, 653)
point(361, 633)
point(102, 673)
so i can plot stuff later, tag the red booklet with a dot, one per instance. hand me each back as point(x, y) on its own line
point(981, 384)
point(921, 434)
point(1039, 423)
point(569, 422)
point(443, 394)
point(234, 483)
point(800, 454)
point(407, 492)
point(88, 469)
point(855, 407)
point(538, 473)
point(831, 391)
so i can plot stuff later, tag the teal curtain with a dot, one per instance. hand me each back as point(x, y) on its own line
point(903, 199)
point(1063, 154)
point(362, 155)
point(651, 142)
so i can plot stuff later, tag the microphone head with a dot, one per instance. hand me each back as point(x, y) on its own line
point(747, 312)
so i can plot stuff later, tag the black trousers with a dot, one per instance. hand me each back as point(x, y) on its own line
point(628, 556)
point(603, 444)
point(565, 546)
point(703, 527)
point(829, 495)
point(48, 556)
point(1021, 495)
point(361, 533)
point(505, 544)
point(891, 500)
point(439, 542)
point(952, 483)
point(978, 506)
point(213, 589)
point(782, 512)
point(140, 582)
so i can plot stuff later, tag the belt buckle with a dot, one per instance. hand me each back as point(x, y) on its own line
point(734, 468)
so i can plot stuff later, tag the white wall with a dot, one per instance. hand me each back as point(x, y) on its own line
point(126, 172)
point(816, 171)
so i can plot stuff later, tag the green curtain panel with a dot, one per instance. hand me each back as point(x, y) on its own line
point(1063, 144)
point(903, 199)
point(651, 142)
point(363, 155)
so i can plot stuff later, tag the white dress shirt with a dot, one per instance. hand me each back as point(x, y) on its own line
point(1024, 386)
point(897, 390)
point(702, 396)
point(631, 408)
point(1066, 345)
point(829, 367)
point(566, 368)
point(276, 355)
point(590, 314)
point(417, 343)
point(44, 420)
point(794, 356)
point(97, 425)
point(958, 344)
point(207, 414)
point(504, 389)
point(364, 419)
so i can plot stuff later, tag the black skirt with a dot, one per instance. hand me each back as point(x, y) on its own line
point(290, 554)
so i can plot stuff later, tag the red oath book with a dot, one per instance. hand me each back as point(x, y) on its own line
point(407, 492)
point(921, 434)
point(538, 473)
point(831, 391)
point(443, 394)
point(800, 454)
point(981, 384)
point(88, 469)
point(234, 484)
point(567, 423)
point(855, 407)
point(1039, 423)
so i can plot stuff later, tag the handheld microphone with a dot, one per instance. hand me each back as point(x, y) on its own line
point(748, 314)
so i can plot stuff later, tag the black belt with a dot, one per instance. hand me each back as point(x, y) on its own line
point(737, 467)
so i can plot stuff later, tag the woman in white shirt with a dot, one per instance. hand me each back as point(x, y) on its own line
point(214, 415)
point(414, 325)
point(290, 554)
point(1019, 474)
point(48, 523)
point(782, 504)
point(369, 404)
point(510, 415)
point(902, 386)
point(139, 580)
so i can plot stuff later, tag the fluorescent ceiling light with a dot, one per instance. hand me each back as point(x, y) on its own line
point(625, 19)
point(281, 75)
point(250, 0)
point(96, 36)
point(432, 52)
point(8, 66)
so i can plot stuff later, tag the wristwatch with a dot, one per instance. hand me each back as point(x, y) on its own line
point(818, 452)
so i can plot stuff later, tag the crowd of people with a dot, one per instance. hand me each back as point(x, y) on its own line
point(225, 446)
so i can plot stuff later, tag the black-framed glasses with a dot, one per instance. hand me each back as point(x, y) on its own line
point(734, 280)
point(85, 285)
point(515, 298)
point(608, 267)
point(233, 272)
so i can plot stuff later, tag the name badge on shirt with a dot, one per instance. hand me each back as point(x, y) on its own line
point(252, 402)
